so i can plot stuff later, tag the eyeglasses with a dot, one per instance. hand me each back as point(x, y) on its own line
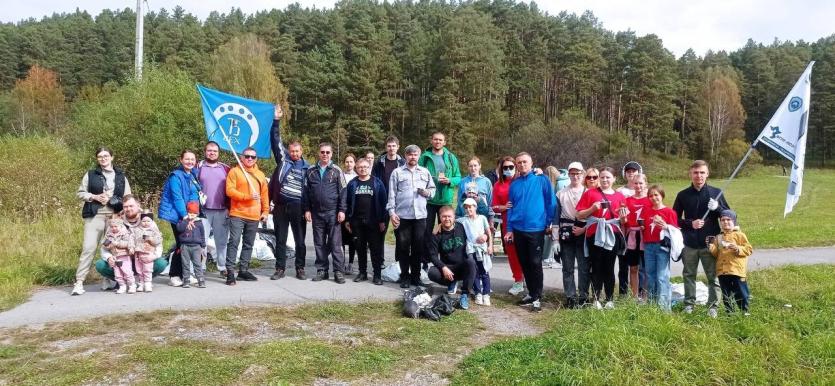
point(324, 152)
point(508, 167)
point(250, 156)
point(591, 178)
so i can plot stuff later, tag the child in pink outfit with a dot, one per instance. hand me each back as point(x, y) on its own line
point(146, 238)
point(119, 241)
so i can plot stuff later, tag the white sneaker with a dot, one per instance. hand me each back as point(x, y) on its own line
point(688, 309)
point(610, 305)
point(597, 305)
point(479, 299)
point(149, 287)
point(132, 289)
point(175, 281)
point(140, 287)
point(517, 288)
point(713, 313)
point(78, 288)
point(192, 280)
point(122, 289)
point(107, 284)
point(486, 300)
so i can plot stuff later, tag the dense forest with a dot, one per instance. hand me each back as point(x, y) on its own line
point(494, 75)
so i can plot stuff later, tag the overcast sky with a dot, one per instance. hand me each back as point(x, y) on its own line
point(701, 25)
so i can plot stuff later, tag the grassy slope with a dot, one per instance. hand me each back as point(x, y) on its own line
point(641, 345)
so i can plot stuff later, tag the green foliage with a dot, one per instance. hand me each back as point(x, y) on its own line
point(642, 345)
point(146, 124)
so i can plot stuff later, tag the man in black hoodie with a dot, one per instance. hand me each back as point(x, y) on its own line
point(448, 253)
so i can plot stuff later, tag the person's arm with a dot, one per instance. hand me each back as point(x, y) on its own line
point(177, 196)
point(430, 188)
point(82, 192)
point(341, 204)
point(277, 146)
point(744, 247)
point(265, 199)
point(585, 207)
point(550, 201)
point(155, 237)
point(455, 175)
point(381, 199)
point(714, 249)
point(391, 204)
point(678, 207)
point(434, 253)
point(232, 186)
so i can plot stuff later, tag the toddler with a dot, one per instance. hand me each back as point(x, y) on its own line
point(192, 245)
point(731, 248)
point(146, 238)
point(119, 241)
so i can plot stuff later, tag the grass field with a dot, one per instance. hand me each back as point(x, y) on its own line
point(632, 345)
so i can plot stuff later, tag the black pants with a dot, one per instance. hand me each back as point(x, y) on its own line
point(289, 216)
point(327, 241)
point(409, 247)
point(529, 250)
point(734, 291)
point(623, 275)
point(432, 218)
point(350, 241)
point(175, 268)
point(462, 271)
point(367, 238)
point(602, 270)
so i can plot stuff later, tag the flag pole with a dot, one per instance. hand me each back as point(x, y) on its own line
point(738, 167)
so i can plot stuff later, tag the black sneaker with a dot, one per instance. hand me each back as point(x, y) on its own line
point(339, 277)
point(526, 301)
point(320, 275)
point(377, 280)
point(279, 273)
point(230, 277)
point(247, 276)
point(185, 284)
point(201, 284)
point(300, 274)
point(404, 283)
point(361, 277)
point(537, 306)
point(417, 282)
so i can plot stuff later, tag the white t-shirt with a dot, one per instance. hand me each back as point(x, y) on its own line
point(475, 227)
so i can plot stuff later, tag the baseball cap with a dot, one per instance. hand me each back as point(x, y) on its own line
point(470, 201)
point(576, 165)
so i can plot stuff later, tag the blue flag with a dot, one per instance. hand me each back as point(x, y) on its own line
point(235, 122)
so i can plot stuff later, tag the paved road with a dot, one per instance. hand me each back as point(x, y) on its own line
point(54, 304)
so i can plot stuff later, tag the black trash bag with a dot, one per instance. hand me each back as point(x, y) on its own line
point(444, 305)
point(411, 309)
point(412, 293)
point(430, 314)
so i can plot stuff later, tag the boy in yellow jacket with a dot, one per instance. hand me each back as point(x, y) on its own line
point(731, 248)
point(249, 204)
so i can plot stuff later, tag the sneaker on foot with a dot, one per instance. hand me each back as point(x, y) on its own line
point(537, 306)
point(300, 274)
point(378, 280)
point(597, 305)
point(149, 287)
point(108, 285)
point(230, 277)
point(452, 288)
point(320, 275)
point(516, 288)
point(279, 273)
point(610, 305)
point(526, 301)
point(486, 300)
point(186, 285)
point(339, 277)
point(201, 284)
point(464, 302)
point(122, 289)
point(404, 283)
point(192, 280)
point(479, 299)
point(175, 281)
point(361, 277)
point(245, 276)
point(418, 283)
point(223, 274)
point(78, 288)
point(688, 309)
point(140, 287)
point(132, 288)
point(713, 313)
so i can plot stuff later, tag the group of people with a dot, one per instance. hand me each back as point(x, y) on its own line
point(575, 212)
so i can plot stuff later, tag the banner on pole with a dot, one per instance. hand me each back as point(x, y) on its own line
point(786, 133)
point(235, 121)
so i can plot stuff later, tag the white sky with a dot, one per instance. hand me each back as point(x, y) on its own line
point(701, 25)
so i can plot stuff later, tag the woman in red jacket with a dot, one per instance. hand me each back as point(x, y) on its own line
point(500, 198)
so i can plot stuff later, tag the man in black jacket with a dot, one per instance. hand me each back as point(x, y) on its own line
point(448, 253)
point(323, 201)
point(366, 219)
point(691, 205)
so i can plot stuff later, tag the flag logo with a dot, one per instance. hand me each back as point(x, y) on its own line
point(775, 131)
point(795, 104)
point(235, 123)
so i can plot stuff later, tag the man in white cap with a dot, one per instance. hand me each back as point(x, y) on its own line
point(571, 239)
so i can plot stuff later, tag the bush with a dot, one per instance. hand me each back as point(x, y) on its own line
point(560, 142)
point(146, 124)
point(39, 178)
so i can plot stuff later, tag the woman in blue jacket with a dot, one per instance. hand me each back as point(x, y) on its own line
point(180, 188)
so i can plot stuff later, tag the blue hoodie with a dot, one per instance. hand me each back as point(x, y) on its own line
point(180, 188)
point(534, 203)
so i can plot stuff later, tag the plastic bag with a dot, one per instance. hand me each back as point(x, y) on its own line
point(444, 305)
point(391, 273)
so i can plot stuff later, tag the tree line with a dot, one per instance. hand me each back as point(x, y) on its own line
point(493, 75)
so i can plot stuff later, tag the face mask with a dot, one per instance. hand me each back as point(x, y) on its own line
point(508, 173)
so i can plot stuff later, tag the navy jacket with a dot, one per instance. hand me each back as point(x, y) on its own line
point(194, 236)
point(324, 192)
point(379, 202)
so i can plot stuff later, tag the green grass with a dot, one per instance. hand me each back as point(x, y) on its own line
point(361, 341)
point(641, 345)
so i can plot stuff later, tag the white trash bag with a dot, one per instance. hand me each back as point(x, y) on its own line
point(678, 293)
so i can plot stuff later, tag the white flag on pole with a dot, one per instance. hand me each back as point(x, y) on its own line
point(786, 133)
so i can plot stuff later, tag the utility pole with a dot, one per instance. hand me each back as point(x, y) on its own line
point(137, 61)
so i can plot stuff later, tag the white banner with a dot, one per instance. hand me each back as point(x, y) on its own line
point(786, 133)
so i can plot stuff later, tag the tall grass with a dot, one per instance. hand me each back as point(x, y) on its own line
point(636, 345)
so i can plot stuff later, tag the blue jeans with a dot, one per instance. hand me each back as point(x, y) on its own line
point(482, 278)
point(657, 264)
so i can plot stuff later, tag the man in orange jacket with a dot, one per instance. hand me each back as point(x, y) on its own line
point(246, 187)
